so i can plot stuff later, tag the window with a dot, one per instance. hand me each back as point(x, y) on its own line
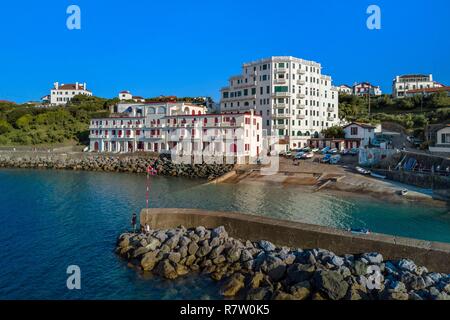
point(445, 138)
point(354, 131)
point(281, 89)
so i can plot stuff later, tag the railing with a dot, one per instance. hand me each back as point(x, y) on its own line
point(279, 106)
point(281, 94)
point(300, 116)
point(300, 106)
point(330, 109)
point(279, 81)
point(301, 71)
point(300, 96)
point(301, 82)
point(280, 70)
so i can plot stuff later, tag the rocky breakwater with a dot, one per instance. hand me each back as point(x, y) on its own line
point(261, 271)
point(117, 164)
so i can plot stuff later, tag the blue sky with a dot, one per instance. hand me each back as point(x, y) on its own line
point(192, 47)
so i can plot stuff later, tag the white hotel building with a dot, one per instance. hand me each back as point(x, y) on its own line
point(415, 83)
point(178, 128)
point(62, 94)
point(295, 100)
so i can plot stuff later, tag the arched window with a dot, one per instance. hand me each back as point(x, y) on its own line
point(151, 110)
point(307, 133)
point(161, 110)
point(299, 133)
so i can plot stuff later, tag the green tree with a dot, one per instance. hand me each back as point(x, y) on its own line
point(334, 132)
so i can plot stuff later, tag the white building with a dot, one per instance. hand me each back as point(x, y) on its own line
point(412, 82)
point(345, 89)
point(295, 100)
point(62, 94)
point(178, 127)
point(127, 96)
point(363, 89)
point(362, 131)
point(442, 144)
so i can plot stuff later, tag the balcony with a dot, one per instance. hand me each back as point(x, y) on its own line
point(300, 106)
point(281, 70)
point(301, 71)
point(246, 84)
point(280, 126)
point(279, 81)
point(281, 94)
point(330, 109)
point(280, 116)
point(279, 106)
point(300, 96)
point(330, 119)
point(301, 82)
point(300, 116)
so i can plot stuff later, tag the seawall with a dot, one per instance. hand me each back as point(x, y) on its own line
point(434, 255)
point(134, 163)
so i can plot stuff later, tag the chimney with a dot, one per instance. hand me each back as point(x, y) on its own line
point(56, 84)
point(76, 86)
point(84, 86)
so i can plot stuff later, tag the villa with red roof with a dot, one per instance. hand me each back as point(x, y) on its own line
point(61, 94)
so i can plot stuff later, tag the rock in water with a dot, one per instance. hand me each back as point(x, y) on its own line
point(233, 285)
point(149, 260)
point(166, 270)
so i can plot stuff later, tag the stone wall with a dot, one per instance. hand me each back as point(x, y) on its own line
point(135, 163)
point(434, 255)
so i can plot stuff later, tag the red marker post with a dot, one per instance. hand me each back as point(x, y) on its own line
point(150, 172)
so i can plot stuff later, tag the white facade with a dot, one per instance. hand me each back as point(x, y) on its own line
point(127, 96)
point(442, 141)
point(62, 94)
point(402, 84)
point(295, 100)
point(363, 89)
point(364, 132)
point(178, 127)
point(344, 89)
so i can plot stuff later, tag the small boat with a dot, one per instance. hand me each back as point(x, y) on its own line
point(403, 192)
point(359, 230)
point(363, 171)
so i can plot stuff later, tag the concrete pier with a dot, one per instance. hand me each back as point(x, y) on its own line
point(434, 255)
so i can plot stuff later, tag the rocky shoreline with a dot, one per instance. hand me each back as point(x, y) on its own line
point(262, 271)
point(134, 164)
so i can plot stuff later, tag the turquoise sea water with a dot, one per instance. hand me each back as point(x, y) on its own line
point(52, 219)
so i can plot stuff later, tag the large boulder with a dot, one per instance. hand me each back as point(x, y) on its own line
point(331, 283)
point(300, 272)
point(232, 286)
point(259, 293)
point(301, 291)
point(149, 260)
point(165, 269)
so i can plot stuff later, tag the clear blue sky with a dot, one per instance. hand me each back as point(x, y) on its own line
point(192, 47)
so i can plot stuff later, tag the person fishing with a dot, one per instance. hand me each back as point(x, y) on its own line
point(133, 222)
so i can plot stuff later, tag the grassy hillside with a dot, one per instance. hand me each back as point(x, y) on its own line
point(412, 113)
point(28, 125)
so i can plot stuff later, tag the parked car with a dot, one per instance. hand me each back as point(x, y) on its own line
point(315, 150)
point(325, 150)
point(307, 155)
point(335, 159)
point(354, 151)
point(326, 158)
point(299, 155)
point(333, 151)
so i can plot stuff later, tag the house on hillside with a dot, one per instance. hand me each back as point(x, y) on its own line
point(363, 131)
point(439, 136)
